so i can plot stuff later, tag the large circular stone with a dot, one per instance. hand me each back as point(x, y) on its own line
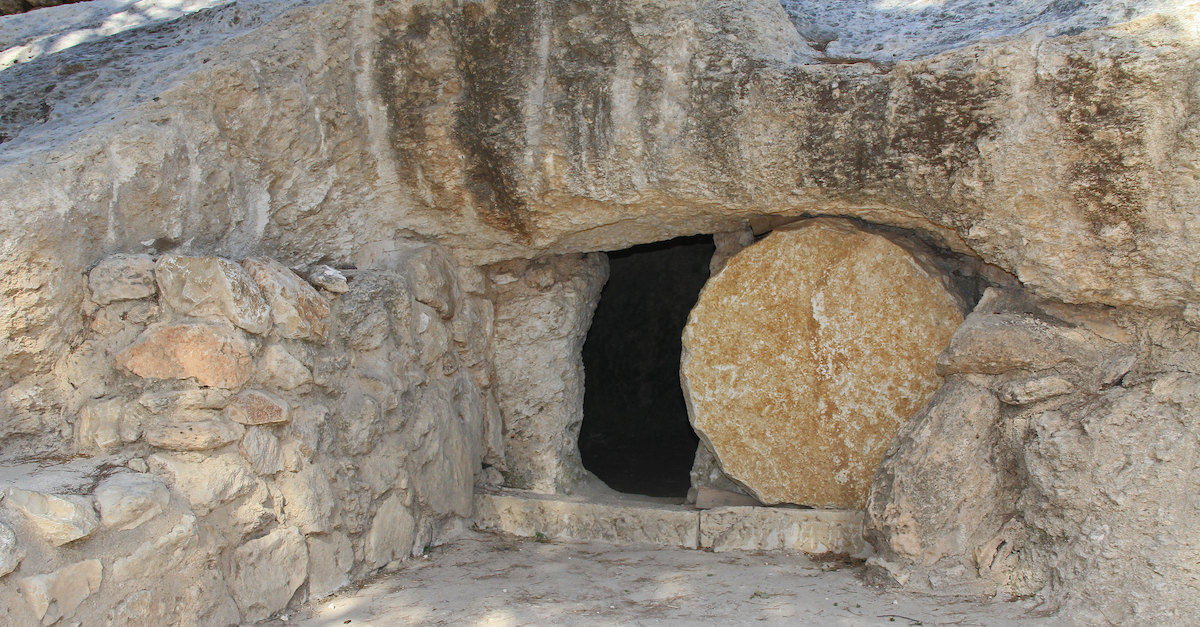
point(807, 351)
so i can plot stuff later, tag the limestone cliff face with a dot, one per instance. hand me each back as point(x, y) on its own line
point(347, 132)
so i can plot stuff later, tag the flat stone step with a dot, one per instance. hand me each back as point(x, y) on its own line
point(629, 519)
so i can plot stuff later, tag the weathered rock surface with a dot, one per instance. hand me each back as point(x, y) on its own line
point(196, 435)
point(543, 310)
point(11, 553)
point(297, 310)
point(308, 500)
point(392, 533)
point(162, 556)
point(214, 355)
point(127, 500)
point(122, 277)
point(206, 482)
point(807, 352)
point(282, 370)
point(267, 571)
point(59, 518)
point(211, 287)
point(255, 407)
point(261, 449)
point(330, 558)
point(55, 596)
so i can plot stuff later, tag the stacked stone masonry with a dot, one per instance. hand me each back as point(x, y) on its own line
point(239, 431)
point(172, 400)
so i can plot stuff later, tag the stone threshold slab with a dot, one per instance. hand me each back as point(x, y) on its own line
point(631, 520)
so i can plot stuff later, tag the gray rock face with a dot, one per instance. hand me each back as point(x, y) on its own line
point(11, 553)
point(412, 138)
point(267, 571)
point(543, 311)
point(127, 500)
point(1076, 477)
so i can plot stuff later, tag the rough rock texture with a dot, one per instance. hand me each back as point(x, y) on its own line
point(214, 355)
point(1072, 488)
point(267, 572)
point(543, 309)
point(807, 352)
point(59, 518)
point(57, 595)
point(402, 142)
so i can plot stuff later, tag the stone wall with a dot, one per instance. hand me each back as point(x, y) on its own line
point(416, 140)
point(246, 439)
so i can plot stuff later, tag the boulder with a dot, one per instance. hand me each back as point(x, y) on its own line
point(261, 448)
point(330, 559)
point(122, 277)
point(55, 596)
point(308, 500)
point(211, 287)
point(255, 407)
point(807, 351)
point(127, 500)
point(297, 310)
point(11, 553)
point(100, 424)
point(392, 533)
point(206, 482)
point(59, 518)
point(212, 354)
point(160, 557)
point(196, 435)
point(282, 370)
point(267, 571)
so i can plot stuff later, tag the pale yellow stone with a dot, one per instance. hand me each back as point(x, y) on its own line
point(806, 352)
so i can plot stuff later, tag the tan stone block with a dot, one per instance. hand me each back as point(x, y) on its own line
point(774, 528)
point(621, 521)
point(211, 287)
point(129, 499)
point(214, 355)
point(261, 448)
point(60, 518)
point(806, 352)
point(57, 595)
point(297, 310)
point(197, 435)
point(255, 407)
point(267, 571)
point(122, 277)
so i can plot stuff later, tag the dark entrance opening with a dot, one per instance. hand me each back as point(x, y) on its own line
point(635, 435)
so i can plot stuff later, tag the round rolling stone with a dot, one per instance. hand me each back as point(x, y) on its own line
point(808, 350)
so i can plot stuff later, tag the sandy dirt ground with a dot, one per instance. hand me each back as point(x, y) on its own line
point(488, 580)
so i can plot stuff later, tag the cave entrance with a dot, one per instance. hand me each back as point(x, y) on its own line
point(636, 435)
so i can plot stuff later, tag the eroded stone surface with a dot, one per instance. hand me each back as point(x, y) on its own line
point(196, 435)
point(127, 500)
point(59, 518)
point(261, 449)
point(392, 533)
point(215, 355)
point(206, 482)
point(162, 556)
point(57, 595)
point(255, 407)
point(267, 571)
point(308, 500)
point(330, 558)
point(11, 553)
point(297, 310)
point(804, 355)
point(122, 277)
point(211, 287)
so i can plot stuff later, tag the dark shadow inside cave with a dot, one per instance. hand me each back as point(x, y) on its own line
point(636, 435)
